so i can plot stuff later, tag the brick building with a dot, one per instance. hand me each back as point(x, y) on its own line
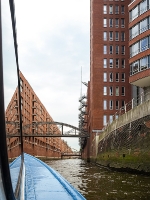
point(33, 111)
point(109, 88)
point(139, 43)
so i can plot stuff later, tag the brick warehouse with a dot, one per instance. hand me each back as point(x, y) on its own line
point(109, 87)
point(32, 111)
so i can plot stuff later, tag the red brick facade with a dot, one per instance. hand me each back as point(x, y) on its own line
point(32, 111)
point(109, 87)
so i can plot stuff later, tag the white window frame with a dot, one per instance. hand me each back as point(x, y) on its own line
point(105, 22)
point(105, 76)
point(105, 104)
point(105, 9)
point(105, 90)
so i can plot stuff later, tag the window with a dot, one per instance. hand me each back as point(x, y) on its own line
point(134, 49)
point(111, 49)
point(123, 50)
point(110, 90)
point(123, 91)
point(143, 26)
point(105, 90)
point(104, 120)
point(105, 36)
point(104, 22)
point(110, 118)
point(117, 105)
point(117, 77)
point(122, 23)
point(117, 49)
point(133, 13)
point(21, 88)
point(105, 9)
point(117, 36)
point(111, 22)
point(111, 77)
point(144, 44)
point(111, 9)
point(122, 103)
point(105, 77)
point(105, 49)
point(122, 9)
point(117, 23)
point(111, 63)
point(111, 104)
point(105, 104)
point(134, 67)
point(134, 31)
point(143, 63)
point(116, 9)
point(117, 91)
point(122, 36)
point(110, 35)
point(123, 63)
point(143, 6)
point(123, 77)
point(117, 63)
point(105, 63)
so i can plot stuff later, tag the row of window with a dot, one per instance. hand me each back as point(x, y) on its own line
point(140, 65)
point(140, 46)
point(139, 9)
point(110, 9)
point(113, 22)
point(113, 77)
point(139, 28)
point(113, 50)
point(110, 104)
point(113, 36)
point(113, 90)
point(113, 62)
point(108, 118)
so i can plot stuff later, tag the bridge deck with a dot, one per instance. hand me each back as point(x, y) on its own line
point(42, 182)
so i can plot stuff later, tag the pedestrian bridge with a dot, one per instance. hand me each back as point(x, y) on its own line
point(45, 129)
point(73, 154)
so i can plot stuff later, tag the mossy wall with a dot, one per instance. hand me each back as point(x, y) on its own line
point(127, 148)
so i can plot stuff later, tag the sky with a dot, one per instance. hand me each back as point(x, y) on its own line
point(53, 45)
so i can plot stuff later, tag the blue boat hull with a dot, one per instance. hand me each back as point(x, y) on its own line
point(41, 182)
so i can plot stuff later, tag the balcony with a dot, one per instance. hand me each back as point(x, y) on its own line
point(140, 78)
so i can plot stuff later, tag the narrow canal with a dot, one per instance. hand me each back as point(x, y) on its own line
point(97, 183)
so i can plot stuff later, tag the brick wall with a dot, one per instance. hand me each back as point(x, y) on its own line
point(32, 111)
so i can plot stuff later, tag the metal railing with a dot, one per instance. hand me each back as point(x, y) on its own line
point(128, 106)
point(138, 68)
point(138, 13)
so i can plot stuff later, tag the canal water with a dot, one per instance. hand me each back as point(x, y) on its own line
point(98, 183)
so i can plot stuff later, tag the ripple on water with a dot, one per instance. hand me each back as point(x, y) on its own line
point(97, 183)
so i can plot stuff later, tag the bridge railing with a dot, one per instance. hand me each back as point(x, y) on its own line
point(71, 154)
point(128, 106)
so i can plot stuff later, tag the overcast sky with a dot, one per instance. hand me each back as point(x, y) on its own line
point(53, 44)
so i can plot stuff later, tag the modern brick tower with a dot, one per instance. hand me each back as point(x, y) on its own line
point(109, 87)
point(109, 67)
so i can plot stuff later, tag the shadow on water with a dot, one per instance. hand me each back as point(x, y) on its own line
point(98, 183)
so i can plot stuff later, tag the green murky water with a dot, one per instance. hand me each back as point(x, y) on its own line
point(97, 183)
